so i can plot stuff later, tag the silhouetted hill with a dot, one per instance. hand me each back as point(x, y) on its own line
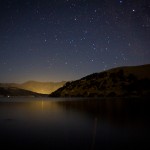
point(38, 87)
point(13, 91)
point(122, 81)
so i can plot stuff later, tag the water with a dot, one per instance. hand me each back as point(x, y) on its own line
point(74, 124)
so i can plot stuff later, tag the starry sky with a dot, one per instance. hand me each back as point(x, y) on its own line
point(57, 40)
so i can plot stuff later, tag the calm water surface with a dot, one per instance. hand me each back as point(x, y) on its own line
point(74, 124)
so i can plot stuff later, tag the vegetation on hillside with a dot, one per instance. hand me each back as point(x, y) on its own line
point(123, 81)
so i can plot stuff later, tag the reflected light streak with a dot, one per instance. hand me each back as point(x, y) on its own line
point(94, 133)
point(42, 105)
point(45, 105)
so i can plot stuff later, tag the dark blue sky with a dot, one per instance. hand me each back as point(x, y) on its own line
point(55, 40)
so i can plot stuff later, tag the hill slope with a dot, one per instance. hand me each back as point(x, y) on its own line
point(122, 81)
point(12, 91)
point(38, 87)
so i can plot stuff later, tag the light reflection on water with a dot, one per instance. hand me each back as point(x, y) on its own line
point(74, 123)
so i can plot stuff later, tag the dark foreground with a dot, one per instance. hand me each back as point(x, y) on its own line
point(74, 124)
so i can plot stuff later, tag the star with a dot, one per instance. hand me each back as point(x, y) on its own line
point(129, 44)
point(68, 32)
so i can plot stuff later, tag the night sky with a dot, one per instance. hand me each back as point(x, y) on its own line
point(55, 40)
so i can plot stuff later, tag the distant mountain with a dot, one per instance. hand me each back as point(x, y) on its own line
point(12, 91)
point(38, 87)
point(122, 81)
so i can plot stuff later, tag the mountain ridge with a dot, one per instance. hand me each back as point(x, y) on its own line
point(13, 91)
point(120, 81)
point(36, 86)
